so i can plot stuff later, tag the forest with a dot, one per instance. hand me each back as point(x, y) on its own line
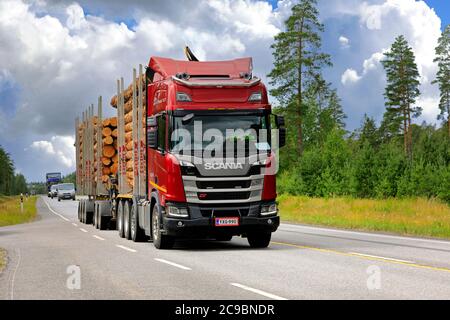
point(395, 158)
point(11, 183)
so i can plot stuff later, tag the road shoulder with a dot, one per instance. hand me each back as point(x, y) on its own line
point(3, 259)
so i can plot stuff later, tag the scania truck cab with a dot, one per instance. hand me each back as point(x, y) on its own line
point(211, 164)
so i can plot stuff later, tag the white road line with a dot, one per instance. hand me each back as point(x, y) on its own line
point(173, 264)
point(84, 230)
point(99, 238)
point(125, 248)
point(14, 274)
point(378, 257)
point(295, 227)
point(59, 215)
point(74, 224)
point(257, 291)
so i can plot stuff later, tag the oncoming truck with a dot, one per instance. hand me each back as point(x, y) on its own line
point(195, 155)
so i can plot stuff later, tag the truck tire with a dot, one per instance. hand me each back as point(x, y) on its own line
point(102, 222)
point(95, 220)
point(136, 232)
point(59, 199)
point(80, 204)
point(160, 241)
point(259, 239)
point(126, 220)
point(83, 212)
point(120, 219)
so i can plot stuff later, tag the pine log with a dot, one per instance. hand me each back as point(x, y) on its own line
point(129, 127)
point(109, 151)
point(130, 146)
point(106, 132)
point(106, 122)
point(128, 106)
point(113, 122)
point(128, 136)
point(106, 161)
point(129, 117)
point(114, 168)
point(108, 140)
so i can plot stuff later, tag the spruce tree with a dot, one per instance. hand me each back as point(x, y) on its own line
point(443, 75)
point(298, 61)
point(402, 89)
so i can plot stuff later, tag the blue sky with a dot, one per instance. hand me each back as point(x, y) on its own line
point(442, 8)
point(57, 56)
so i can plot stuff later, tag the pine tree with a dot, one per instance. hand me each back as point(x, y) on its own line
point(298, 61)
point(443, 75)
point(402, 89)
point(368, 132)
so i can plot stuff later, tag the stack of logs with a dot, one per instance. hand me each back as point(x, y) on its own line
point(110, 159)
point(128, 120)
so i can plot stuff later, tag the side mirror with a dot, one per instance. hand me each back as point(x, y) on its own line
point(279, 121)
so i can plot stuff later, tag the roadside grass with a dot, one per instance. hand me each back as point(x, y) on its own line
point(414, 217)
point(10, 210)
point(2, 259)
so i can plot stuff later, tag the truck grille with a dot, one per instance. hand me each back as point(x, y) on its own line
point(243, 184)
point(223, 195)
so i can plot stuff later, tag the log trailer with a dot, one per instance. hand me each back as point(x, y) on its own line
point(163, 194)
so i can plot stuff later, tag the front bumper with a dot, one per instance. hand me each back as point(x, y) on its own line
point(201, 223)
point(66, 196)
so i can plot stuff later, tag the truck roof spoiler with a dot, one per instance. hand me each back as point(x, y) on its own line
point(218, 83)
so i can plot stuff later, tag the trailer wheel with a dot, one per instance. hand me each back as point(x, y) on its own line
point(160, 241)
point(102, 222)
point(95, 219)
point(80, 204)
point(83, 212)
point(126, 219)
point(137, 234)
point(259, 239)
point(120, 218)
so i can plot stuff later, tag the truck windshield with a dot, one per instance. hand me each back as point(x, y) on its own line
point(219, 130)
point(66, 186)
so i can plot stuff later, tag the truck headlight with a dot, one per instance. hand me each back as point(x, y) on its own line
point(177, 212)
point(255, 96)
point(269, 209)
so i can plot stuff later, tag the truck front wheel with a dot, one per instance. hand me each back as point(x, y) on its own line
point(259, 239)
point(160, 241)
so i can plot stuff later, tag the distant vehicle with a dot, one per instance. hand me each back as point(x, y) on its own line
point(53, 191)
point(66, 191)
point(52, 178)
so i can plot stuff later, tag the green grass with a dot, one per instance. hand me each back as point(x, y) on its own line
point(10, 210)
point(415, 217)
point(2, 259)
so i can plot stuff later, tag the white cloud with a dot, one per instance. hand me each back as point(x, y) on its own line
point(344, 41)
point(380, 23)
point(59, 59)
point(59, 149)
point(350, 76)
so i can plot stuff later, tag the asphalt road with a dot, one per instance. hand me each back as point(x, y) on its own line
point(46, 257)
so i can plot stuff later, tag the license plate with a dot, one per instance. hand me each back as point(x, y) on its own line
point(226, 222)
